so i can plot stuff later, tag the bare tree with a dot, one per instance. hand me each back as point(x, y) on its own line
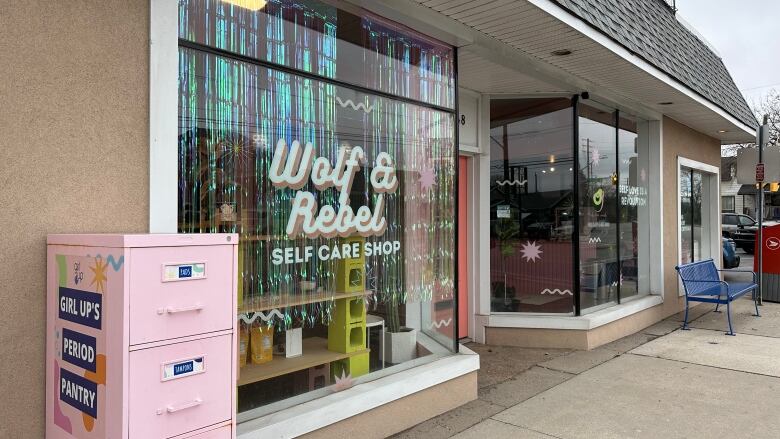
point(768, 105)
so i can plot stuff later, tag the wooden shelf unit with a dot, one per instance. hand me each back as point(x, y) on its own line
point(315, 353)
point(284, 301)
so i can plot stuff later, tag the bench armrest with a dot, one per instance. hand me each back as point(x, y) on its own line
point(743, 271)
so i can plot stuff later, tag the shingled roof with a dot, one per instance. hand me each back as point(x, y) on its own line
point(649, 29)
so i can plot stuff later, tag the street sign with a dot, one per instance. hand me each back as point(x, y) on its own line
point(746, 165)
point(759, 172)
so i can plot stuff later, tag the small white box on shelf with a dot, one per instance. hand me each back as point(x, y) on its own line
point(293, 343)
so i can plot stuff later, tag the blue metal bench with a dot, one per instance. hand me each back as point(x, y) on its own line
point(702, 284)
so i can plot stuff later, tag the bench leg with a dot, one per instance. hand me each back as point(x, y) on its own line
point(716, 307)
point(685, 320)
point(755, 302)
point(728, 313)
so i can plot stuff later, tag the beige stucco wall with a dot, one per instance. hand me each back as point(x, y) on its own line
point(678, 141)
point(73, 158)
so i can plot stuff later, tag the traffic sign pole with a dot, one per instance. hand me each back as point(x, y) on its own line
point(763, 132)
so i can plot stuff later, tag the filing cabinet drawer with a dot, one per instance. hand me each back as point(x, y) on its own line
point(180, 387)
point(219, 433)
point(172, 295)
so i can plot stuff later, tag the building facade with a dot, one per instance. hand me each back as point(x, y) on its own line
point(402, 175)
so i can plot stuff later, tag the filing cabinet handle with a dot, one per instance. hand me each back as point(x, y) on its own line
point(172, 310)
point(196, 402)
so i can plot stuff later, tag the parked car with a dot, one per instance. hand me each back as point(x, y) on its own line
point(742, 229)
point(730, 256)
point(731, 222)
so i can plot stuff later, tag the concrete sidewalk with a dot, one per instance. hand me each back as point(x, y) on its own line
point(659, 383)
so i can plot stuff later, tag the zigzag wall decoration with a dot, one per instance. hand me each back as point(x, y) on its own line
point(594, 239)
point(557, 291)
point(116, 264)
point(359, 106)
point(261, 315)
point(441, 323)
point(511, 183)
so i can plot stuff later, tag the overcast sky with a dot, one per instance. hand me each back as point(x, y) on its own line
point(746, 33)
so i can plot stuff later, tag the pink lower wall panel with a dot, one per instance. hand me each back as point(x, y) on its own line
point(98, 383)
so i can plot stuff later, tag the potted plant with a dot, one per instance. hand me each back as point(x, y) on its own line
point(400, 341)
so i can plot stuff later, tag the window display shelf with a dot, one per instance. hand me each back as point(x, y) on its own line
point(315, 353)
point(287, 300)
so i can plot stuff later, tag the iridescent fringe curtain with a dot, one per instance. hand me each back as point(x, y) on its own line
point(314, 37)
point(232, 113)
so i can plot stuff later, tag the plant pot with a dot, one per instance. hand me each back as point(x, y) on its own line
point(401, 346)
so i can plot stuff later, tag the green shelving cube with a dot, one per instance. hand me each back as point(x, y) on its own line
point(354, 366)
point(347, 329)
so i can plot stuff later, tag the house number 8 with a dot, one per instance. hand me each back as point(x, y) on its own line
point(463, 119)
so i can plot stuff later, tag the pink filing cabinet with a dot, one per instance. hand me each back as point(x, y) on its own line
point(141, 336)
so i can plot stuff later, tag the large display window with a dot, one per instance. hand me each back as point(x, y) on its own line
point(598, 202)
point(569, 206)
point(614, 230)
point(532, 211)
point(334, 160)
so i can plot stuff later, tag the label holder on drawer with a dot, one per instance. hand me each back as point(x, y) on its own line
point(182, 368)
point(182, 271)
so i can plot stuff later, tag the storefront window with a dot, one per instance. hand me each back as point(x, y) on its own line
point(531, 213)
point(694, 216)
point(536, 224)
point(686, 216)
point(633, 166)
point(598, 234)
point(343, 199)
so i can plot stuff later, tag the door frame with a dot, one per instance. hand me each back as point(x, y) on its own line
point(472, 226)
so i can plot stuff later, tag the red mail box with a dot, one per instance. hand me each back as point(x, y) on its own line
point(771, 246)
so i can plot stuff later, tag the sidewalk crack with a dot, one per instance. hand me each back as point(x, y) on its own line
point(526, 427)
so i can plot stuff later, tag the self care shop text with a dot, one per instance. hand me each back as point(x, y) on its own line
point(296, 255)
point(294, 168)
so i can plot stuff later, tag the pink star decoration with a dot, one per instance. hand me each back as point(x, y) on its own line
point(427, 177)
point(344, 382)
point(531, 251)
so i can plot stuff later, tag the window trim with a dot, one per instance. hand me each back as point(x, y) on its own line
point(163, 116)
